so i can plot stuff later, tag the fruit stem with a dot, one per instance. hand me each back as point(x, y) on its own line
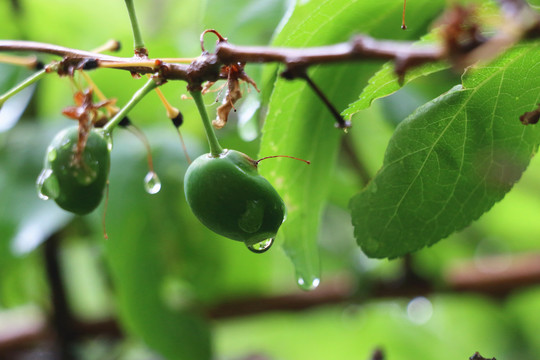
point(149, 86)
point(215, 147)
point(30, 62)
point(403, 26)
point(24, 84)
point(138, 42)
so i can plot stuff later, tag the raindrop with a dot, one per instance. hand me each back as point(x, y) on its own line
point(109, 139)
point(152, 184)
point(308, 284)
point(47, 185)
point(261, 247)
point(51, 155)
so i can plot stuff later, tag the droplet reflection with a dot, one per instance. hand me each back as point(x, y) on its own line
point(308, 285)
point(261, 247)
point(152, 184)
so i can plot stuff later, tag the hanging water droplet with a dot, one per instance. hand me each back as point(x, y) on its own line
point(261, 247)
point(47, 185)
point(308, 284)
point(152, 184)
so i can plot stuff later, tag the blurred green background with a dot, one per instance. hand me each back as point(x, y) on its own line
point(160, 266)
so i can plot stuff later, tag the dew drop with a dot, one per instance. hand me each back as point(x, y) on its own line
point(152, 184)
point(47, 185)
point(261, 247)
point(308, 284)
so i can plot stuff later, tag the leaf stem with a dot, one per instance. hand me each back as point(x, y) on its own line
point(138, 42)
point(150, 85)
point(215, 147)
point(24, 84)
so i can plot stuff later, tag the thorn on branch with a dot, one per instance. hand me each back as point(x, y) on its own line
point(220, 38)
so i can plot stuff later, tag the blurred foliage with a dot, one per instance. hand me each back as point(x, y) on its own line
point(160, 268)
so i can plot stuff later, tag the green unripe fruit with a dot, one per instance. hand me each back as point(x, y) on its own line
point(76, 181)
point(228, 196)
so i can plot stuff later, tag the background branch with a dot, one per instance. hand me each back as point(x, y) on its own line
point(521, 271)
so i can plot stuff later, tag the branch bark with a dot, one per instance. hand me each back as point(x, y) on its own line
point(520, 271)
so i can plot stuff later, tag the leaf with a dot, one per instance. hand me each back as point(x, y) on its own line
point(385, 82)
point(151, 253)
point(299, 125)
point(452, 159)
point(13, 108)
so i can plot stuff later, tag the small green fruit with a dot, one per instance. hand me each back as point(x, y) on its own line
point(75, 181)
point(228, 196)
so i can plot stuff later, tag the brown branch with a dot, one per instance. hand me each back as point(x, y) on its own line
point(74, 56)
point(496, 275)
point(360, 48)
point(520, 271)
point(524, 21)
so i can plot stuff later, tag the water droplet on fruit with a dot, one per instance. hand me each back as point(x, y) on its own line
point(51, 155)
point(109, 139)
point(152, 184)
point(261, 247)
point(47, 185)
point(308, 284)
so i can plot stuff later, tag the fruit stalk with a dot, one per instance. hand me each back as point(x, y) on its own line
point(138, 42)
point(215, 147)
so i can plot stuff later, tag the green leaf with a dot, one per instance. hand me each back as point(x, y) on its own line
point(299, 125)
point(385, 82)
point(154, 251)
point(452, 159)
